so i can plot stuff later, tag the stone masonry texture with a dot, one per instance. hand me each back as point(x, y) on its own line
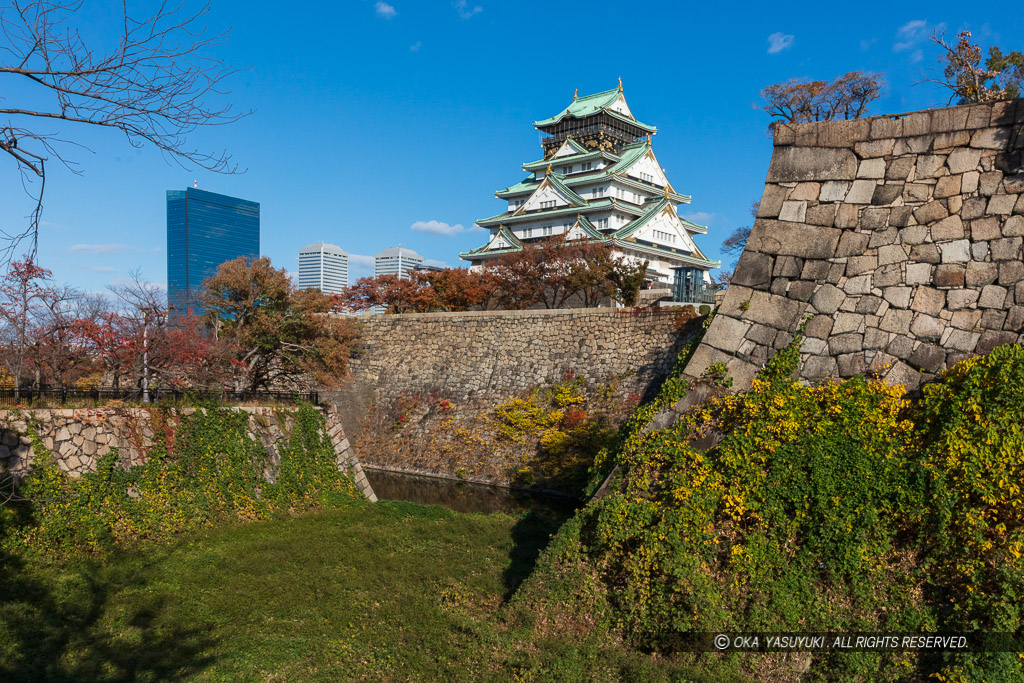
point(77, 438)
point(484, 357)
point(901, 235)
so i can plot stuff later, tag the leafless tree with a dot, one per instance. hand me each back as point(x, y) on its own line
point(153, 85)
point(799, 101)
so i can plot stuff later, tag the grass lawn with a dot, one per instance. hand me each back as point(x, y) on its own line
point(392, 591)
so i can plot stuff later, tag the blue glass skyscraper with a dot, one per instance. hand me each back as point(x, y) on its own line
point(204, 230)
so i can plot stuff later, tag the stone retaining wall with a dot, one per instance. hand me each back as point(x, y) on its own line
point(902, 236)
point(484, 357)
point(79, 437)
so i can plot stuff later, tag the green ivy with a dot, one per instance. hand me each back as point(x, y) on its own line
point(214, 472)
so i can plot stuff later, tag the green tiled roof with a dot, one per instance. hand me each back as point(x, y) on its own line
point(556, 180)
point(589, 105)
point(588, 155)
point(504, 232)
point(693, 227)
point(630, 155)
point(637, 223)
point(589, 228)
point(556, 212)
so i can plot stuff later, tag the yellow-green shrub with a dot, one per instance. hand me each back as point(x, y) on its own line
point(215, 472)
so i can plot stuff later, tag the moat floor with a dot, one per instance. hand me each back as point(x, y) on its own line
point(392, 591)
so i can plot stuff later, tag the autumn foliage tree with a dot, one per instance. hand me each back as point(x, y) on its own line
point(282, 336)
point(801, 101)
point(26, 293)
point(552, 273)
point(1000, 78)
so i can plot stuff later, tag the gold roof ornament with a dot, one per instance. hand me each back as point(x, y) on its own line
point(576, 94)
point(548, 170)
point(666, 192)
point(620, 83)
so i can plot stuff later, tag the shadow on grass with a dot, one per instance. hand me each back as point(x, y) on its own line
point(65, 628)
point(530, 536)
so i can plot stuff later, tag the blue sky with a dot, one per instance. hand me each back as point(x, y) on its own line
point(384, 123)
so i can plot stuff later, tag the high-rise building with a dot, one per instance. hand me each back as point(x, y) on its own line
point(204, 230)
point(396, 261)
point(599, 181)
point(323, 266)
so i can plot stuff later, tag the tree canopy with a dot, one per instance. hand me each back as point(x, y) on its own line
point(1001, 77)
point(801, 101)
point(281, 335)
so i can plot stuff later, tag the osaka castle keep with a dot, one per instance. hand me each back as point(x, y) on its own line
point(599, 180)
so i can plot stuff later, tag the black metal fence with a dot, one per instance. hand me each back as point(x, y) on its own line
point(70, 395)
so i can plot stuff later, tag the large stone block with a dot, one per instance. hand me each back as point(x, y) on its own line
point(1002, 204)
point(927, 327)
point(845, 343)
point(1011, 272)
point(950, 275)
point(753, 270)
point(793, 211)
point(860, 264)
point(771, 201)
point(819, 367)
point(827, 299)
point(793, 239)
point(980, 273)
point(962, 160)
point(899, 168)
point(961, 298)
point(852, 244)
point(990, 339)
point(958, 251)
point(947, 186)
point(886, 194)
point(930, 212)
point(726, 333)
point(928, 357)
point(928, 300)
point(778, 311)
point(796, 164)
point(1013, 227)
point(821, 214)
point(992, 296)
point(985, 229)
point(991, 138)
point(861, 192)
point(1005, 249)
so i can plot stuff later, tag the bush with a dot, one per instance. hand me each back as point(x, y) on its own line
point(840, 507)
point(214, 472)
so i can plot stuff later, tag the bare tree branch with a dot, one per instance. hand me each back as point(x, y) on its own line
point(154, 86)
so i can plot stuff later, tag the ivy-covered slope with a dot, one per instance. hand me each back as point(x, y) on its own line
point(838, 507)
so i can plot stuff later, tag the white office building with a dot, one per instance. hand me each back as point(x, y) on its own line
point(323, 266)
point(396, 261)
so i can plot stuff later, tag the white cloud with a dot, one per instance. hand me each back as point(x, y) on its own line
point(101, 248)
point(777, 42)
point(385, 10)
point(361, 261)
point(866, 44)
point(699, 217)
point(434, 262)
point(465, 12)
point(911, 34)
point(437, 228)
point(99, 269)
point(415, 47)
